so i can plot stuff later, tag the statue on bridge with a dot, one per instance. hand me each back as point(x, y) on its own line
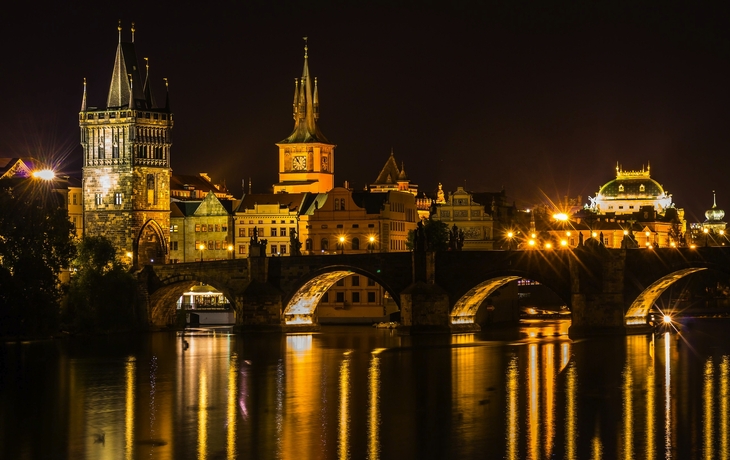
point(296, 245)
point(257, 247)
point(421, 242)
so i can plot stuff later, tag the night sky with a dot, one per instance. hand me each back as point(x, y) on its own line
point(541, 100)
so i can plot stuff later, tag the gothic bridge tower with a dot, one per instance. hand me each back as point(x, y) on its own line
point(306, 157)
point(126, 164)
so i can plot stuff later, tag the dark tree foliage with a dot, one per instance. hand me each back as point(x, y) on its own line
point(36, 242)
point(103, 294)
point(437, 236)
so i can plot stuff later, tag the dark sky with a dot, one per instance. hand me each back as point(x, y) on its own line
point(540, 99)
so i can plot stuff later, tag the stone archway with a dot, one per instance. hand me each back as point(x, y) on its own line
point(151, 246)
point(639, 309)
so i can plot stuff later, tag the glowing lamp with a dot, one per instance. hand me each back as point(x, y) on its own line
point(44, 174)
point(563, 243)
point(561, 216)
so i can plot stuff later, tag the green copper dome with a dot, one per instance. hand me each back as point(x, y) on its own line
point(632, 184)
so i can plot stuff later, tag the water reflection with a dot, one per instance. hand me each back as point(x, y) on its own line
point(352, 393)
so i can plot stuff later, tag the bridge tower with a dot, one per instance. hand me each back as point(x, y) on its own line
point(306, 157)
point(126, 162)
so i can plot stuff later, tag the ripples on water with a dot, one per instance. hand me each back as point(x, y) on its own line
point(364, 393)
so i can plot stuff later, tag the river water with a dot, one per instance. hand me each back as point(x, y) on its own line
point(355, 392)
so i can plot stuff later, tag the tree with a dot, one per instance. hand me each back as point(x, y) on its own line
point(437, 235)
point(103, 295)
point(36, 242)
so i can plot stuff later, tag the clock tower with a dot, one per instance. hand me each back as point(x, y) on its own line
point(306, 157)
point(126, 163)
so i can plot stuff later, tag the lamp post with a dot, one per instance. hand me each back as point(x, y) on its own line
point(342, 245)
point(230, 251)
point(706, 231)
point(371, 244)
point(201, 247)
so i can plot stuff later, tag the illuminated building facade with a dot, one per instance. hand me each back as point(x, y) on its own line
point(461, 209)
point(201, 230)
point(393, 178)
point(272, 217)
point(126, 163)
point(630, 192)
point(306, 157)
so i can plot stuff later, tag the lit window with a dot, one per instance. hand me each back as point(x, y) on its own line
point(97, 199)
point(117, 198)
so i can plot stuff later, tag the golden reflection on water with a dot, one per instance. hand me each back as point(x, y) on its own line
point(374, 406)
point(548, 351)
point(628, 394)
point(571, 412)
point(231, 407)
point(298, 399)
point(343, 439)
point(724, 395)
point(650, 402)
point(667, 398)
point(513, 429)
point(709, 413)
point(202, 415)
point(129, 409)
point(533, 404)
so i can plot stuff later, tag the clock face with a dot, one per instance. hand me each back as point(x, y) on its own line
point(325, 164)
point(299, 163)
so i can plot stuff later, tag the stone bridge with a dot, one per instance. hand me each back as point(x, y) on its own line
point(609, 291)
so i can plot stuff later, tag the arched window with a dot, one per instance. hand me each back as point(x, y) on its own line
point(621, 188)
point(642, 188)
point(325, 244)
point(308, 244)
point(355, 244)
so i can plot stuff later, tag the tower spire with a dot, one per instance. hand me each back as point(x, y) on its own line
point(133, 34)
point(167, 95)
point(296, 98)
point(147, 90)
point(83, 99)
point(119, 30)
point(315, 104)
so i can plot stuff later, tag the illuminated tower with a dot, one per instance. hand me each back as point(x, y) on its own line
point(306, 157)
point(126, 164)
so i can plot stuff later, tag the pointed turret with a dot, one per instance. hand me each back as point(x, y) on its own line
point(306, 108)
point(83, 99)
point(296, 99)
point(167, 95)
point(149, 99)
point(122, 93)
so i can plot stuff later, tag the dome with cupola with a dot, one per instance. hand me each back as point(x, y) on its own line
point(714, 214)
point(629, 192)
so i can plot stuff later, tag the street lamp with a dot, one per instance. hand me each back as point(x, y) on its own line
point(201, 247)
point(510, 235)
point(706, 231)
point(45, 174)
point(230, 251)
point(371, 244)
point(342, 245)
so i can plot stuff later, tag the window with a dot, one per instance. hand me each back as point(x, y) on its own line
point(355, 297)
point(371, 225)
point(355, 280)
point(642, 188)
point(174, 228)
point(211, 245)
point(74, 196)
point(217, 227)
point(621, 188)
point(371, 297)
point(97, 199)
point(241, 249)
point(308, 244)
point(371, 282)
point(117, 198)
point(242, 232)
point(273, 231)
point(356, 244)
point(217, 245)
point(250, 232)
point(173, 245)
point(340, 297)
point(337, 204)
point(282, 231)
point(273, 249)
point(342, 204)
point(355, 225)
point(210, 227)
point(224, 228)
point(325, 244)
point(197, 227)
point(325, 298)
point(341, 282)
point(283, 249)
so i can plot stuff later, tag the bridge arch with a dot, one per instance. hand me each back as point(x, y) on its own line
point(302, 302)
point(639, 309)
point(163, 301)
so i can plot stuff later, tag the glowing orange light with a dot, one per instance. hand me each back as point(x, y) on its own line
point(45, 174)
point(548, 246)
point(667, 319)
point(594, 234)
point(561, 216)
point(531, 242)
point(563, 243)
point(567, 233)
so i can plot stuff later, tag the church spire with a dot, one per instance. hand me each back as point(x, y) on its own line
point(121, 91)
point(305, 108)
point(83, 99)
